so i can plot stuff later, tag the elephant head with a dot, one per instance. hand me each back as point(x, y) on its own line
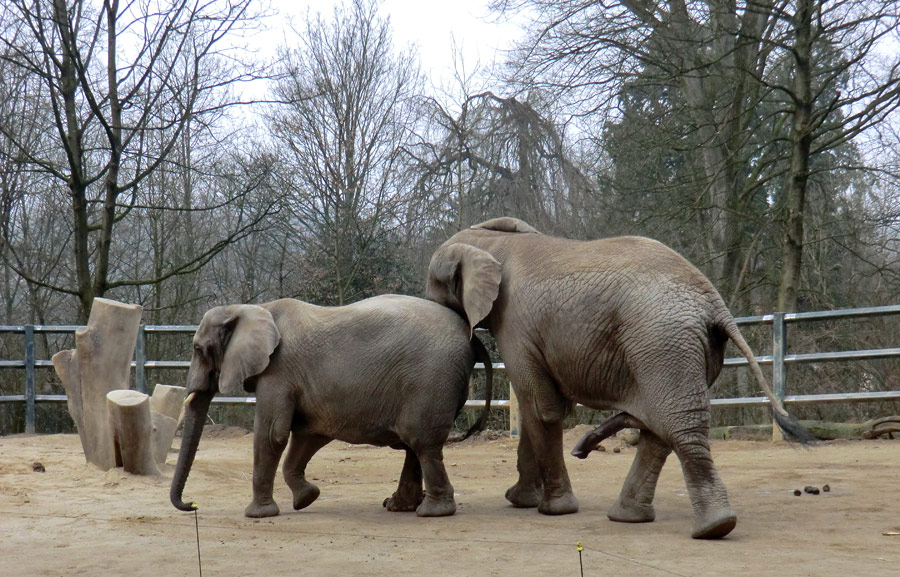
point(464, 278)
point(232, 345)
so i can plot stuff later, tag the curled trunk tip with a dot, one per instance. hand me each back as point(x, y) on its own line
point(194, 418)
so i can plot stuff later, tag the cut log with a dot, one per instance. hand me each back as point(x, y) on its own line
point(100, 363)
point(822, 430)
point(132, 431)
point(163, 432)
point(168, 400)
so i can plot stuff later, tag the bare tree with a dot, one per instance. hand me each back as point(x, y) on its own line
point(348, 110)
point(124, 84)
point(489, 154)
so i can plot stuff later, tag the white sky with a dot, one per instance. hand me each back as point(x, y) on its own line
point(432, 26)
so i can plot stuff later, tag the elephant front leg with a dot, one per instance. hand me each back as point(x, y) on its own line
point(268, 445)
point(300, 451)
point(409, 494)
point(542, 471)
point(557, 497)
point(635, 503)
point(543, 436)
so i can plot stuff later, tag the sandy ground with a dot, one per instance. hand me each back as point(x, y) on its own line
point(72, 519)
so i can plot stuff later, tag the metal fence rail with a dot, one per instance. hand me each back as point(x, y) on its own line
point(779, 359)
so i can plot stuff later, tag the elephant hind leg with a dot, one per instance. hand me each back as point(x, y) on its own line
point(635, 502)
point(300, 450)
point(438, 500)
point(686, 429)
point(409, 494)
point(713, 515)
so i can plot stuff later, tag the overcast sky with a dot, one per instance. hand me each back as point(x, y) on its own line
point(432, 26)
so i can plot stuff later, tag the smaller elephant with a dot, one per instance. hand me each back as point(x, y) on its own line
point(388, 371)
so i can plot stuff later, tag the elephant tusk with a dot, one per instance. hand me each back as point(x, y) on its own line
point(189, 398)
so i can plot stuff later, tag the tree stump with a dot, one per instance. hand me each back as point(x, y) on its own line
point(132, 431)
point(163, 432)
point(166, 411)
point(100, 363)
point(168, 400)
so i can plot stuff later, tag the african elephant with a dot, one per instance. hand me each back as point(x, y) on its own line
point(388, 371)
point(622, 323)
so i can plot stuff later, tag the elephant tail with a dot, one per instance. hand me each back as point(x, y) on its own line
point(482, 356)
point(790, 426)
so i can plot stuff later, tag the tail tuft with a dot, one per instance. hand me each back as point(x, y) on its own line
point(794, 431)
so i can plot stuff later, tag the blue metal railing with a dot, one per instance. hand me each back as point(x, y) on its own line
point(779, 360)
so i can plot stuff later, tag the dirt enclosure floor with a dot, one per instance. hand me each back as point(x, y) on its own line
point(72, 519)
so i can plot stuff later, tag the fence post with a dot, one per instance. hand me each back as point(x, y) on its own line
point(29, 379)
point(140, 357)
point(779, 371)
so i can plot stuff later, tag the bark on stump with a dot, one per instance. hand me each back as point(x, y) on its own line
point(100, 363)
point(132, 431)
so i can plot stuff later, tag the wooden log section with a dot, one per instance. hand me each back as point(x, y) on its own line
point(168, 400)
point(132, 431)
point(163, 432)
point(100, 363)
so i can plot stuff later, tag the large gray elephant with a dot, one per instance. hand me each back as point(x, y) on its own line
point(389, 371)
point(621, 323)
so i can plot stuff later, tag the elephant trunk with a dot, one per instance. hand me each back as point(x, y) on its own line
point(195, 412)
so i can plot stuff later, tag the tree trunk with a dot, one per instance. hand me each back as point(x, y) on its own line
point(71, 136)
point(798, 173)
point(823, 430)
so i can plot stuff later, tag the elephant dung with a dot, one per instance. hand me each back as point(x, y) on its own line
point(630, 436)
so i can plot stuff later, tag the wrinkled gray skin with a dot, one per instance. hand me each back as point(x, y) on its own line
point(389, 371)
point(621, 323)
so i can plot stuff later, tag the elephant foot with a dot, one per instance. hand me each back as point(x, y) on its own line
point(631, 512)
point(304, 496)
point(435, 507)
point(561, 505)
point(715, 524)
point(403, 503)
point(257, 511)
point(524, 497)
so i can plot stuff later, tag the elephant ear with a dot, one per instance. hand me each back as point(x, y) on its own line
point(254, 338)
point(505, 224)
point(466, 279)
